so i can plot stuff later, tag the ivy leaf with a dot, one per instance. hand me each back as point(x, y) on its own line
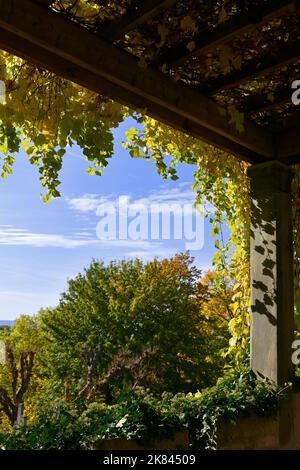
point(236, 118)
point(191, 46)
point(163, 32)
point(131, 134)
point(164, 68)
point(188, 24)
point(122, 421)
point(142, 62)
point(61, 152)
point(225, 58)
point(237, 62)
point(223, 16)
point(4, 146)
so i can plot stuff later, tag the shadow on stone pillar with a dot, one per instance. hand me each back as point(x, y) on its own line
point(272, 281)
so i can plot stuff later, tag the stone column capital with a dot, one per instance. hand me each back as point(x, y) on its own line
point(270, 177)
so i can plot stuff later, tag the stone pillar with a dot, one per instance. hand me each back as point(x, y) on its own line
point(272, 283)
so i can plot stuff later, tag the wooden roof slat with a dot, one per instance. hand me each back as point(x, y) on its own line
point(237, 25)
point(251, 71)
point(134, 17)
point(261, 103)
point(178, 105)
point(276, 104)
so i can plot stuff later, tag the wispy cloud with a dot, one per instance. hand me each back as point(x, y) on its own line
point(169, 196)
point(183, 195)
point(12, 236)
point(89, 203)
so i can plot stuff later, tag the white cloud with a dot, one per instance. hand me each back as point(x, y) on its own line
point(14, 236)
point(164, 201)
point(87, 202)
point(169, 196)
point(91, 202)
point(83, 234)
point(22, 237)
point(161, 206)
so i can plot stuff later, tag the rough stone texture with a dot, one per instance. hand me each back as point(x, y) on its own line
point(260, 433)
point(272, 303)
point(249, 433)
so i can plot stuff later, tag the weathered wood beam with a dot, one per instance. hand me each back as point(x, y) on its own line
point(177, 105)
point(46, 3)
point(288, 145)
point(67, 70)
point(253, 71)
point(135, 16)
point(237, 25)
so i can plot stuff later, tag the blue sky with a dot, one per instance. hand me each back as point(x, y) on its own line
point(41, 246)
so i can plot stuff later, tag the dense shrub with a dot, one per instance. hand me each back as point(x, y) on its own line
point(142, 416)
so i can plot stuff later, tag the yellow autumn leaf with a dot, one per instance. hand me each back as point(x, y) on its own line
point(237, 62)
point(225, 58)
point(163, 32)
point(191, 46)
point(236, 118)
point(223, 16)
point(176, 76)
point(142, 62)
point(188, 24)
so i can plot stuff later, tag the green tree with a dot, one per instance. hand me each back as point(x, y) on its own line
point(22, 341)
point(122, 308)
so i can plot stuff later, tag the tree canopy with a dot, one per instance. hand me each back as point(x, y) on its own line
point(123, 325)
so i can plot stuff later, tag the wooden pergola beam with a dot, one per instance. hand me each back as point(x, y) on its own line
point(63, 41)
point(46, 3)
point(288, 145)
point(67, 70)
point(134, 17)
point(237, 25)
point(252, 71)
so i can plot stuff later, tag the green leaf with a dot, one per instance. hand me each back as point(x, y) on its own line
point(131, 134)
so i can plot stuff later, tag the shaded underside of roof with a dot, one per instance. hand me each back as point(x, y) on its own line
point(242, 55)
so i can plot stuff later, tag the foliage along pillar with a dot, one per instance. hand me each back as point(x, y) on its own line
point(272, 281)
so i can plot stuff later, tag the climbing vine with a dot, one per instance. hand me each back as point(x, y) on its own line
point(221, 180)
point(45, 115)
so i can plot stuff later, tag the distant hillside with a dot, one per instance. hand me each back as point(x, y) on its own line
point(6, 322)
